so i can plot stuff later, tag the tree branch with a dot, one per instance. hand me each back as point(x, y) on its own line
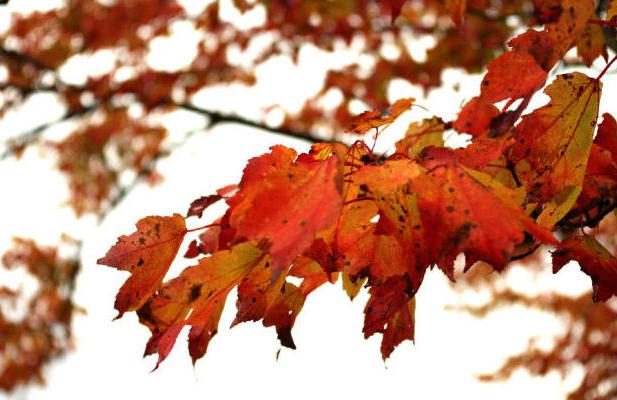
point(17, 144)
point(26, 138)
point(217, 118)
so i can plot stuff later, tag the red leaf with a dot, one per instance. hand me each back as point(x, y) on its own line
point(607, 135)
point(390, 311)
point(146, 254)
point(475, 117)
point(594, 260)
point(286, 202)
point(198, 206)
point(193, 250)
point(504, 79)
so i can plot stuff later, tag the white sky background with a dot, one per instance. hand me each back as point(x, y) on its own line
point(333, 360)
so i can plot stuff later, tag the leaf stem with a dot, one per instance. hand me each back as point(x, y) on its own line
point(606, 68)
point(612, 24)
point(199, 228)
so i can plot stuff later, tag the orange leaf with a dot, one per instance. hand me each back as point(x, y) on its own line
point(196, 298)
point(591, 44)
point(371, 119)
point(146, 254)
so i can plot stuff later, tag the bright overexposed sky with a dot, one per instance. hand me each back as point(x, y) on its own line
point(332, 360)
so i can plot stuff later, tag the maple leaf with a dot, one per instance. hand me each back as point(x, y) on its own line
point(390, 311)
point(594, 260)
point(420, 135)
point(265, 295)
point(196, 298)
point(197, 207)
point(607, 135)
point(535, 52)
point(475, 117)
point(472, 213)
point(209, 240)
point(388, 247)
point(193, 250)
point(504, 80)
point(283, 312)
point(401, 327)
point(257, 292)
point(146, 254)
point(571, 23)
point(354, 240)
point(460, 210)
point(591, 44)
point(599, 189)
point(372, 120)
point(600, 180)
point(552, 144)
point(352, 285)
point(286, 202)
point(482, 151)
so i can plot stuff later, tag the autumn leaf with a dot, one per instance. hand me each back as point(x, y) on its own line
point(482, 151)
point(535, 52)
point(146, 254)
point(469, 212)
point(196, 298)
point(460, 210)
point(372, 120)
point(594, 260)
point(390, 311)
point(600, 185)
point(504, 81)
point(193, 250)
point(566, 30)
point(420, 135)
point(389, 246)
point(475, 117)
point(257, 292)
point(607, 135)
point(591, 44)
point(352, 286)
point(283, 312)
point(558, 207)
point(286, 202)
point(197, 207)
point(354, 240)
point(401, 327)
point(552, 144)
